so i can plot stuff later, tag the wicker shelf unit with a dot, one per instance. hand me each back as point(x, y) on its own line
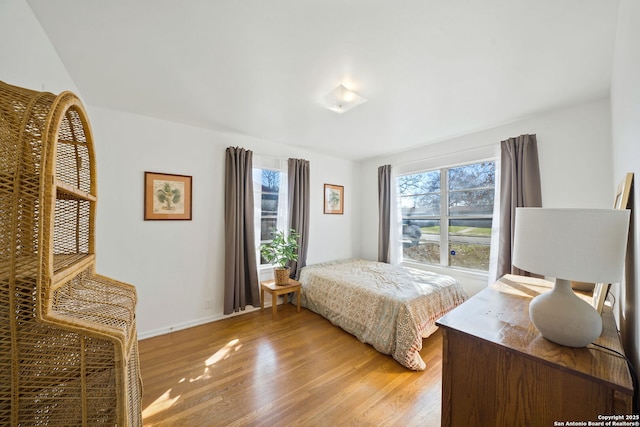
point(68, 342)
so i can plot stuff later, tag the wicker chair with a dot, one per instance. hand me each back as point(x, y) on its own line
point(68, 343)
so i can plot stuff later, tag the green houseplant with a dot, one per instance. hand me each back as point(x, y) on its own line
point(280, 251)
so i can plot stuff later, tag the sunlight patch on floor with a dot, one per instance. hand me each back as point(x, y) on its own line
point(224, 352)
point(167, 400)
point(162, 403)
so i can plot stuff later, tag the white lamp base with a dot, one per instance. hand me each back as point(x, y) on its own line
point(562, 317)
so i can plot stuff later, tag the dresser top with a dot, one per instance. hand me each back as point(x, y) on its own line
point(499, 315)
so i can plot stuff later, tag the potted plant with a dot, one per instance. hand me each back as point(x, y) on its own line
point(279, 252)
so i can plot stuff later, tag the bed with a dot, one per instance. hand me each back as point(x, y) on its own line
point(388, 306)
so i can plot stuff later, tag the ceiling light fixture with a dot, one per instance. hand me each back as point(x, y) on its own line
point(341, 99)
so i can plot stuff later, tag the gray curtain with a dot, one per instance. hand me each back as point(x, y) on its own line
point(519, 187)
point(240, 269)
point(298, 177)
point(384, 213)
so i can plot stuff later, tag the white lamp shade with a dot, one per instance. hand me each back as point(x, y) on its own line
point(586, 245)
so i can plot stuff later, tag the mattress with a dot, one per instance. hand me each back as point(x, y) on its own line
point(388, 306)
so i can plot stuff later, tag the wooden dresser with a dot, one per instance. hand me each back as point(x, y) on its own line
point(499, 371)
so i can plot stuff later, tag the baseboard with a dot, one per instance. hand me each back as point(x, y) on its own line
point(203, 320)
point(195, 322)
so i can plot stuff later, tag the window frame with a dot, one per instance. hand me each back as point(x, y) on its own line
point(281, 215)
point(445, 217)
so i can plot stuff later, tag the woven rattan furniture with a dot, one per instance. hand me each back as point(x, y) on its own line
point(68, 344)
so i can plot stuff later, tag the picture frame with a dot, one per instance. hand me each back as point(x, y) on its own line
point(600, 291)
point(167, 196)
point(333, 199)
point(623, 192)
point(621, 201)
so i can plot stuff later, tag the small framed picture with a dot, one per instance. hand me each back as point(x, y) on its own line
point(623, 191)
point(600, 291)
point(333, 199)
point(621, 201)
point(167, 196)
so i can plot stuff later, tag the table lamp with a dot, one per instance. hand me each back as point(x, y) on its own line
point(586, 245)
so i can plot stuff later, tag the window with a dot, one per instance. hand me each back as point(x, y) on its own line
point(459, 197)
point(269, 187)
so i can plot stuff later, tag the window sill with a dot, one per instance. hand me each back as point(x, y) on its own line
point(458, 272)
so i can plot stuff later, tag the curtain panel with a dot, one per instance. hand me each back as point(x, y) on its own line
point(384, 213)
point(240, 268)
point(519, 187)
point(298, 189)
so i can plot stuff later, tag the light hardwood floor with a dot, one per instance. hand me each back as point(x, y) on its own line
point(297, 370)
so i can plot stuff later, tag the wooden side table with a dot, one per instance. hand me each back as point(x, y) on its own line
point(275, 290)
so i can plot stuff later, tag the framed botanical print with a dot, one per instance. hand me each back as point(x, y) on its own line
point(167, 196)
point(333, 199)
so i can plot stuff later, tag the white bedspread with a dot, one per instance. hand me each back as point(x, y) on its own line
point(390, 307)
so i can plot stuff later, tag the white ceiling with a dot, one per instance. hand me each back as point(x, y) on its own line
point(431, 69)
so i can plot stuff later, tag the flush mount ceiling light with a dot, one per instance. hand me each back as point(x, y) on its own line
point(341, 99)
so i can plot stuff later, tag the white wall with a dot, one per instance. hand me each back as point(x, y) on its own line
point(178, 266)
point(574, 144)
point(625, 108)
point(28, 57)
point(574, 149)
